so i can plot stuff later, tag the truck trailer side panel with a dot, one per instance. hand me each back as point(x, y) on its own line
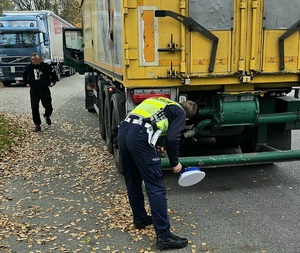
point(55, 28)
point(136, 47)
point(103, 45)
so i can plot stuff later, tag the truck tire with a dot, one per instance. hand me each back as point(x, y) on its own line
point(101, 86)
point(101, 114)
point(70, 72)
point(57, 71)
point(7, 83)
point(107, 124)
point(58, 75)
point(118, 114)
point(89, 96)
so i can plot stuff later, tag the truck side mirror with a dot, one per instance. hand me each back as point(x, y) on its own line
point(46, 39)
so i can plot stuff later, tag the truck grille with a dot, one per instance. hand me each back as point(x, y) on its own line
point(17, 73)
point(15, 59)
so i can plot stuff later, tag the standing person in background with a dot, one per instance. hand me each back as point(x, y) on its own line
point(137, 138)
point(39, 76)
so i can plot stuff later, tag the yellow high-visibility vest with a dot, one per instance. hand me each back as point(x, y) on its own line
point(151, 106)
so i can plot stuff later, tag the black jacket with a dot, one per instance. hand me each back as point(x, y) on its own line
point(40, 76)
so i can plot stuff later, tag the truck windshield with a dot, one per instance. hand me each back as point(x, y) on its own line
point(18, 39)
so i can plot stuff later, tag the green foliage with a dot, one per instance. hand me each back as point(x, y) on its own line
point(69, 10)
point(6, 5)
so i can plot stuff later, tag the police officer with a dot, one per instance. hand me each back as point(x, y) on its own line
point(39, 76)
point(140, 161)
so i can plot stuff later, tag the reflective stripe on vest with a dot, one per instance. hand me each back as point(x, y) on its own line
point(151, 106)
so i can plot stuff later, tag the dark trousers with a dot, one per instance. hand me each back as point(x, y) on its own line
point(45, 97)
point(141, 162)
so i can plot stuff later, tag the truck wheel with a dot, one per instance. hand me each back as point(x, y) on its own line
point(70, 72)
point(101, 115)
point(89, 96)
point(107, 125)
point(7, 83)
point(58, 74)
point(118, 114)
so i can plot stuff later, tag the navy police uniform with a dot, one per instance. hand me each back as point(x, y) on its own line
point(141, 161)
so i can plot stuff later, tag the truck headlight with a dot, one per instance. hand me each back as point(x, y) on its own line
point(1, 73)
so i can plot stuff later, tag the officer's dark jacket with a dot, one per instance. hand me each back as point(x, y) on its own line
point(40, 76)
point(176, 118)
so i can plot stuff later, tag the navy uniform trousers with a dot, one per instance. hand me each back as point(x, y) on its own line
point(141, 162)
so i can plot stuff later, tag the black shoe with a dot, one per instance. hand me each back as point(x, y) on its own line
point(171, 241)
point(141, 225)
point(48, 120)
point(37, 128)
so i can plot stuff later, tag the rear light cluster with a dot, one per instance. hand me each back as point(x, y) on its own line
point(91, 86)
point(140, 95)
point(110, 89)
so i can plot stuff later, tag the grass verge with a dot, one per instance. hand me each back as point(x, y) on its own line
point(9, 132)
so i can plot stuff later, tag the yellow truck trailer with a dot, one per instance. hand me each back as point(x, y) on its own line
point(239, 60)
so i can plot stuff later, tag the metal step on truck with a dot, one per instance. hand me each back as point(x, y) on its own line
point(25, 32)
point(239, 60)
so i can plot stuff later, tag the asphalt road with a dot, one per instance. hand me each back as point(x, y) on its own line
point(70, 199)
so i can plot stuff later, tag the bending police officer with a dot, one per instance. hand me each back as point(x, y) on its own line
point(137, 137)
